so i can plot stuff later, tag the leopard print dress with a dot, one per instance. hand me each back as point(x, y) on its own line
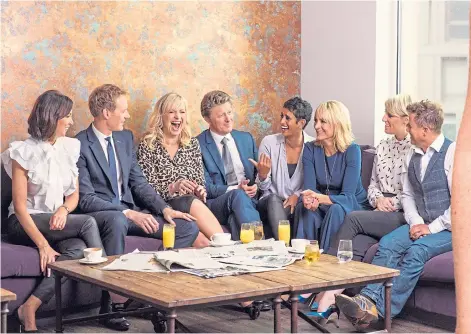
point(161, 171)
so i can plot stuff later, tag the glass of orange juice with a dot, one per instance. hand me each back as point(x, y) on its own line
point(247, 233)
point(168, 236)
point(284, 231)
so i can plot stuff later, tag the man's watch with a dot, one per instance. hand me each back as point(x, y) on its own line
point(65, 207)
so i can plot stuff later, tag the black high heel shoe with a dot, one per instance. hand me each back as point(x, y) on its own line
point(21, 328)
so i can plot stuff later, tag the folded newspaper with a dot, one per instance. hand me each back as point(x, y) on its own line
point(209, 262)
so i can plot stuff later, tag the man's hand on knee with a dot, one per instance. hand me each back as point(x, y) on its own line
point(145, 221)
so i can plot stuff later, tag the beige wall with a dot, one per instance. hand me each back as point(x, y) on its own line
point(338, 59)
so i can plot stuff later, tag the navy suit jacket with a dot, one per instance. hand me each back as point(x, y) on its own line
point(95, 188)
point(214, 173)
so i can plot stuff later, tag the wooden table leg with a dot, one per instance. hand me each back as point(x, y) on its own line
point(277, 316)
point(294, 298)
point(4, 317)
point(59, 328)
point(387, 305)
point(171, 317)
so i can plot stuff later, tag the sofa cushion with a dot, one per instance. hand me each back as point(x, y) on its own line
point(19, 260)
point(438, 269)
point(368, 154)
point(141, 243)
point(6, 192)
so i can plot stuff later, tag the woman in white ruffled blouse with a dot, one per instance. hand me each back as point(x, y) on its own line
point(44, 172)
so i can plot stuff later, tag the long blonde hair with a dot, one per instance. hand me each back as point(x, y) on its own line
point(155, 133)
point(337, 114)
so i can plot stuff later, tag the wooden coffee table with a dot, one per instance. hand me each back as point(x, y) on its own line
point(168, 292)
point(172, 291)
point(5, 297)
point(329, 274)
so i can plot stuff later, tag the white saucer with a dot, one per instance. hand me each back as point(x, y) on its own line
point(230, 243)
point(85, 261)
point(294, 250)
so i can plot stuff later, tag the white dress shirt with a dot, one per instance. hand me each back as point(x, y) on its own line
point(104, 145)
point(236, 161)
point(411, 214)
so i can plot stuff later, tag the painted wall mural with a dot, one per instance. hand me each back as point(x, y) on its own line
point(251, 50)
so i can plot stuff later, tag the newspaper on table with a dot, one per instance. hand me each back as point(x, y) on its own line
point(173, 260)
point(209, 262)
point(137, 261)
point(228, 270)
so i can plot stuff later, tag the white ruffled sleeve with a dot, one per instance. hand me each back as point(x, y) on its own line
point(27, 154)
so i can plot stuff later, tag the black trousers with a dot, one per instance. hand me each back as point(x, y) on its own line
point(80, 231)
point(365, 228)
point(271, 212)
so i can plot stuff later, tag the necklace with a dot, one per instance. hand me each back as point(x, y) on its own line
point(328, 175)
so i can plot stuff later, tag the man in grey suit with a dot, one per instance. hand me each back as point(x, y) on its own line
point(112, 187)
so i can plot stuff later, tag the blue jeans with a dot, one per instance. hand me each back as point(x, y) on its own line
point(397, 251)
point(234, 208)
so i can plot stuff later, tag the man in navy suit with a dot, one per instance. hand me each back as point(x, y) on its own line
point(229, 175)
point(113, 189)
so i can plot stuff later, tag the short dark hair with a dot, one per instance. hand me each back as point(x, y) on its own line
point(104, 97)
point(49, 108)
point(300, 108)
point(213, 99)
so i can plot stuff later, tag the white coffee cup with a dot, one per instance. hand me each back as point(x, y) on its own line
point(93, 254)
point(221, 238)
point(299, 244)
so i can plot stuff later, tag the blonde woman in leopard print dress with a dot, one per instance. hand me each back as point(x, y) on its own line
point(171, 161)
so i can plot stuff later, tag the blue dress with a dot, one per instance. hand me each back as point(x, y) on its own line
point(338, 176)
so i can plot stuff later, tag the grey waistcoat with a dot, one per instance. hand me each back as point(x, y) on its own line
point(432, 195)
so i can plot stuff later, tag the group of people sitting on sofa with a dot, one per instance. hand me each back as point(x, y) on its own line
point(93, 190)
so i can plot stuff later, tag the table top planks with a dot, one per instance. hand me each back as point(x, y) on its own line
point(328, 273)
point(6, 296)
point(179, 289)
point(170, 290)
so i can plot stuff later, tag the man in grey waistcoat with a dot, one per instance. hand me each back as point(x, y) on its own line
point(426, 201)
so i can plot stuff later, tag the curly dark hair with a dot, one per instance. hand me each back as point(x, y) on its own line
point(300, 108)
point(213, 99)
point(427, 114)
point(49, 108)
point(104, 97)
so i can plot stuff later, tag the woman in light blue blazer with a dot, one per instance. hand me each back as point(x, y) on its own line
point(280, 169)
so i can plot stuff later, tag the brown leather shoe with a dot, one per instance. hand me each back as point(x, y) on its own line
point(360, 310)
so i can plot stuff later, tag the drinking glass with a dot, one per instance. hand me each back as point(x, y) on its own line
point(258, 230)
point(247, 233)
point(312, 252)
point(168, 236)
point(345, 251)
point(284, 231)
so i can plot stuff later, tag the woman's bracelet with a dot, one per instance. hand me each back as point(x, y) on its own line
point(65, 207)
